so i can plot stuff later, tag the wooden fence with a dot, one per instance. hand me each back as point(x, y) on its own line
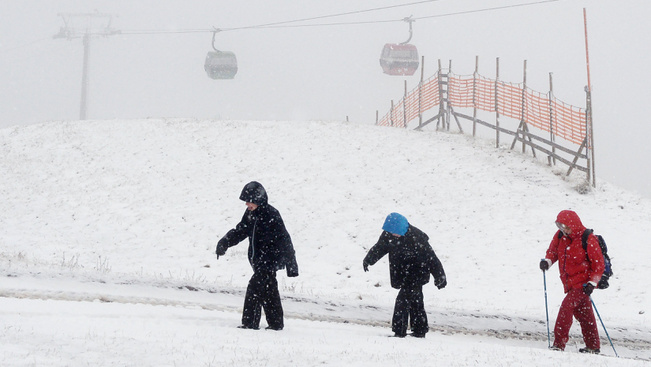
point(544, 123)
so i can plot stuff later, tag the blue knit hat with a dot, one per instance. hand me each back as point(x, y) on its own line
point(396, 224)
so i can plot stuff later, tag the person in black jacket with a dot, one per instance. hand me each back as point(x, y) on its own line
point(411, 261)
point(270, 249)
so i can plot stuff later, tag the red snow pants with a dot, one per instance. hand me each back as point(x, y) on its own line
point(577, 304)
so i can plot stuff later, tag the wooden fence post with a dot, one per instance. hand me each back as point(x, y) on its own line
point(420, 91)
point(588, 108)
point(497, 104)
point(404, 106)
point(441, 109)
point(524, 104)
point(551, 159)
point(474, 93)
point(447, 106)
point(523, 127)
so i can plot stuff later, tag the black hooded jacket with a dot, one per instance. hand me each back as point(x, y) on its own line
point(270, 246)
point(411, 258)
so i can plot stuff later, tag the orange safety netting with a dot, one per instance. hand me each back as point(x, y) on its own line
point(485, 94)
point(569, 121)
point(537, 110)
point(460, 91)
point(419, 100)
point(430, 93)
point(508, 99)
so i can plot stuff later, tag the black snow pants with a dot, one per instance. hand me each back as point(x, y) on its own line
point(409, 304)
point(262, 293)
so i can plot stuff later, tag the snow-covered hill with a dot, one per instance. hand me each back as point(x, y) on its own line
point(129, 212)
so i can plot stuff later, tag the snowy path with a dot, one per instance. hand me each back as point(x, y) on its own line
point(630, 343)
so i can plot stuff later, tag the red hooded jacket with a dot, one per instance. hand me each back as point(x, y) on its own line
point(574, 266)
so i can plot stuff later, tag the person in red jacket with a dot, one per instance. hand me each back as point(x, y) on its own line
point(580, 271)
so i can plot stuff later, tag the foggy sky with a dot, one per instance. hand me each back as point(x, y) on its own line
point(329, 72)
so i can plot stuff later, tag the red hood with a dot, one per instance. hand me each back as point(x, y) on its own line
point(571, 219)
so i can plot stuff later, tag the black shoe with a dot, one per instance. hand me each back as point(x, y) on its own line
point(417, 335)
point(248, 327)
point(589, 351)
point(397, 335)
point(277, 328)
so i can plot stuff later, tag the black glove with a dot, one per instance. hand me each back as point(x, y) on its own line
point(292, 272)
point(441, 283)
point(544, 265)
point(365, 265)
point(221, 248)
point(588, 288)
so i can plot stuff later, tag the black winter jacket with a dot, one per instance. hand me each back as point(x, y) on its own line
point(270, 246)
point(411, 258)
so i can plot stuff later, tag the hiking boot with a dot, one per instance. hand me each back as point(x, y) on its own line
point(277, 328)
point(417, 335)
point(248, 327)
point(558, 349)
point(589, 351)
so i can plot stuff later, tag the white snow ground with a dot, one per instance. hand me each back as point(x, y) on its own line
point(108, 229)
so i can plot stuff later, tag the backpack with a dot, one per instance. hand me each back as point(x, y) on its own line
point(608, 271)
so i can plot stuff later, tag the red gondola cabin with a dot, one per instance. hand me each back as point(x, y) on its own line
point(399, 59)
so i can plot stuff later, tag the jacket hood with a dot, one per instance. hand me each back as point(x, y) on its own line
point(572, 220)
point(253, 192)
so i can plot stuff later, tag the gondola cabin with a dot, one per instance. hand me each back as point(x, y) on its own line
point(399, 59)
point(221, 65)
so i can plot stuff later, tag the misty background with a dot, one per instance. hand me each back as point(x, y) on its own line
point(328, 72)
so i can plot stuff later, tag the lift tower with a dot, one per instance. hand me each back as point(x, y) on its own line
point(80, 25)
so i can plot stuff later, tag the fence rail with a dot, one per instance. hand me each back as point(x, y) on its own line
point(541, 117)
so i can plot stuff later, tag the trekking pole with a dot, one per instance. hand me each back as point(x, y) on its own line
point(549, 345)
point(604, 326)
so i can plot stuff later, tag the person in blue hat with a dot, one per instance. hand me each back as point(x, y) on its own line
point(411, 261)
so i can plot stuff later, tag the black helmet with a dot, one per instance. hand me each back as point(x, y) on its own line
point(253, 192)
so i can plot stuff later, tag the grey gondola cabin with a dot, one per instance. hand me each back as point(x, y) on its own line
point(221, 65)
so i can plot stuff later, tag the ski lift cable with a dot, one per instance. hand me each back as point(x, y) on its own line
point(259, 27)
point(410, 19)
point(269, 25)
point(487, 9)
point(10, 49)
point(287, 24)
point(282, 24)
